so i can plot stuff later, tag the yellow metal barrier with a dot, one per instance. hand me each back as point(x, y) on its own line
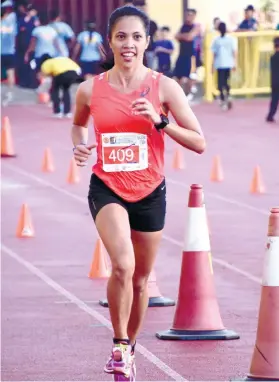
point(252, 75)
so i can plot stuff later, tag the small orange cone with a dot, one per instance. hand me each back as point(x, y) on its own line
point(7, 146)
point(265, 360)
point(43, 98)
point(197, 315)
point(47, 165)
point(217, 174)
point(99, 267)
point(73, 174)
point(155, 297)
point(257, 185)
point(25, 226)
point(178, 163)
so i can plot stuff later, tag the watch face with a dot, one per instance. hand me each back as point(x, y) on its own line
point(165, 120)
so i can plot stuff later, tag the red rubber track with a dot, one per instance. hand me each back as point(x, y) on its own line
point(48, 333)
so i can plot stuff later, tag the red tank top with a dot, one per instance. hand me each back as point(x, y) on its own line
point(130, 151)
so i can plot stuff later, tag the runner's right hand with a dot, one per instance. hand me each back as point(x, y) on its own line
point(82, 153)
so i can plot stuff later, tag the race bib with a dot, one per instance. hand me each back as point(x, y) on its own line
point(124, 152)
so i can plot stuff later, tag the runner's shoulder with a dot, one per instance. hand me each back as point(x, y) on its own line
point(168, 88)
point(85, 88)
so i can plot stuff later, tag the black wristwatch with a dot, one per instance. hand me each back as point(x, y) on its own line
point(164, 122)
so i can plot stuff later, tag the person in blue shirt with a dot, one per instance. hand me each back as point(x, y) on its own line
point(66, 35)
point(27, 20)
point(44, 40)
point(90, 50)
point(224, 48)
point(163, 49)
point(8, 47)
point(249, 23)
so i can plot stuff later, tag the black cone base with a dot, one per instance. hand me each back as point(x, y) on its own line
point(254, 379)
point(195, 335)
point(8, 156)
point(160, 301)
point(153, 302)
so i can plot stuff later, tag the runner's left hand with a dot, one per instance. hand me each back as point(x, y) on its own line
point(142, 106)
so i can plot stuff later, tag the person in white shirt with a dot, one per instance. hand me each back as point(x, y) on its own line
point(224, 48)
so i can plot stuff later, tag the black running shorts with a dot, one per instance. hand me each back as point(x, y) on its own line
point(146, 215)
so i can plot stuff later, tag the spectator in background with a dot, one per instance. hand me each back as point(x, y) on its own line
point(274, 70)
point(91, 49)
point(44, 40)
point(64, 73)
point(185, 37)
point(128, 2)
point(150, 51)
point(163, 49)
point(8, 47)
point(224, 49)
point(216, 22)
point(66, 36)
point(249, 23)
point(27, 21)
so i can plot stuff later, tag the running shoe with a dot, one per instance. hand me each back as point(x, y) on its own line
point(120, 361)
point(124, 378)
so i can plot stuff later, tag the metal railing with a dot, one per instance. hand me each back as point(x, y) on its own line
point(252, 75)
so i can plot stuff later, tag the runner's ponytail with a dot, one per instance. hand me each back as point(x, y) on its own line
point(108, 63)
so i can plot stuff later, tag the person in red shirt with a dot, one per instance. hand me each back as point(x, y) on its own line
point(130, 104)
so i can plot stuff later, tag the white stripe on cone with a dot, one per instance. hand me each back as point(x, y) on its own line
point(196, 236)
point(271, 263)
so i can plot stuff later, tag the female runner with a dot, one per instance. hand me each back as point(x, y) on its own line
point(127, 195)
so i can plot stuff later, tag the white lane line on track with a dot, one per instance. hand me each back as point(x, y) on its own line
point(167, 238)
point(219, 261)
point(222, 198)
point(92, 312)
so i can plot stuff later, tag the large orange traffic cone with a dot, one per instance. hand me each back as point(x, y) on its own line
point(25, 226)
point(197, 315)
point(217, 174)
point(257, 184)
point(154, 294)
point(73, 174)
point(155, 297)
point(99, 267)
point(7, 145)
point(47, 165)
point(265, 359)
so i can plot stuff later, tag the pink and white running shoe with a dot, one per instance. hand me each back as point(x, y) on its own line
point(121, 360)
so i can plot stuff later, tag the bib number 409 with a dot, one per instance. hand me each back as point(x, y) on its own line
point(121, 155)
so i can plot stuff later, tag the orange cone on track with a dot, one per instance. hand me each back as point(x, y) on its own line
point(197, 315)
point(43, 98)
point(73, 174)
point(25, 226)
point(178, 163)
point(47, 165)
point(265, 359)
point(217, 174)
point(7, 145)
point(99, 267)
point(154, 294)
point(257, 185)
